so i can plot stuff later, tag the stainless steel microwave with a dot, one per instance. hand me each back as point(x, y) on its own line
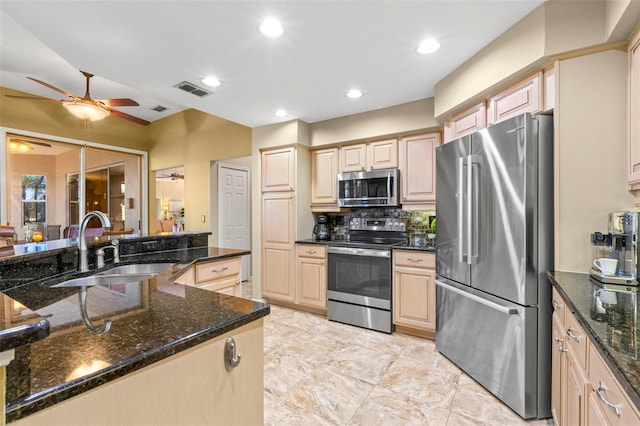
point(377, 188)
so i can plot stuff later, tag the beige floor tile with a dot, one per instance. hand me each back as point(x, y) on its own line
point(320, 372)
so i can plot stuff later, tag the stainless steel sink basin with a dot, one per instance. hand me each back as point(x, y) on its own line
point(136, 269)
point(118, 275)
point(94, 280)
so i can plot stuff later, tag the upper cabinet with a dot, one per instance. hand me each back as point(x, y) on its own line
point(374, 155)
point(324, 169)
point(634, 112)
point(534, 94)
point(466, 122)
point(525, 96)
point(418, 171)
point(278, 170)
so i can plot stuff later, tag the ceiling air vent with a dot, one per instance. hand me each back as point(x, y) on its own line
point(159, 108)
point(193, 89)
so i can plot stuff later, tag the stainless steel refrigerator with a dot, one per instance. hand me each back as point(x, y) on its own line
point(494, 246)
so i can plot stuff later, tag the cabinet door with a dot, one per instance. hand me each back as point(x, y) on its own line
point(414, 298)
point(466, 122)
point(557, 368)
point(312, 282)
point(418, 168)
point(324, 170)
point(278, 170)
point(278, 274)
point(382, 154)
point(229, 285)
point(634, 111)
point(278, 220)
point(574, 403)
point(353, 158)
point(523, 97)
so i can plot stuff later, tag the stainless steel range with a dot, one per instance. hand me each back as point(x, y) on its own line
point(360, 273)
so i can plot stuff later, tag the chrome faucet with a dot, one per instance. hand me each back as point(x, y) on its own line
point(116, 253)
point(83, 262)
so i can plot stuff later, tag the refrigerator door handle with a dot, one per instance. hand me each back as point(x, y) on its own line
point(460, 207)
point(474, 209)
point(469, 210)
point(495, 306)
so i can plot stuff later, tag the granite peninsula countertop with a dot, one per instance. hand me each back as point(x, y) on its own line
point(614, 335)
point(152, 319)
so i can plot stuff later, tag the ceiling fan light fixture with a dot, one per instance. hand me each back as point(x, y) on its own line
point(19, 147)
point(86, 110)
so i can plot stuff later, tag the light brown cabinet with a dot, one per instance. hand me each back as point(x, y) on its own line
point(279, 170)
point(414, 292)
point(324, 171)
point(634, 112)
point(222, 276)
point(311, 267)
point(150, 395)
point(278, 241)
point(418, 171)
point(558, 357)
point(525, 96)
point(375, 155)
point(466, 122)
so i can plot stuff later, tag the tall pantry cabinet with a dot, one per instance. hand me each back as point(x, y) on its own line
point(285, 217)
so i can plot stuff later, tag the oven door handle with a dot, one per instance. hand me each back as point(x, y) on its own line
point(359, 251)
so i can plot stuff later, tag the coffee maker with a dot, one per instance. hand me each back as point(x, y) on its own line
point(621, 245)
point(321, 231)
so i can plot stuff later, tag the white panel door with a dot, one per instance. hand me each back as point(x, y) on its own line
point(233, 210)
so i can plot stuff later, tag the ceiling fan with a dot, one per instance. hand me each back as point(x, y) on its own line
point(85, 107)
point(173, 176)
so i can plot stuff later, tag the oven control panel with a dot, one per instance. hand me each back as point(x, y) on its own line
point(377, 224)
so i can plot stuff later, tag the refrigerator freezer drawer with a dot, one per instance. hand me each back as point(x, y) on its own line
point(492, 340)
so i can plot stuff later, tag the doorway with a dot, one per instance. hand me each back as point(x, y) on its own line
point(234, 229)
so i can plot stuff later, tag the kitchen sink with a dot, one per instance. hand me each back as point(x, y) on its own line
point(136, 269)
point(118, 275)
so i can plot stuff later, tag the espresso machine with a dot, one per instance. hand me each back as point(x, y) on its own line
point(618, 248)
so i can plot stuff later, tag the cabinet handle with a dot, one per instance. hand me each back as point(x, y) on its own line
point(573, 336)
point(224, 268)
point(310, 251)
point(602, 387)
point(410, 259)
point(231, 357)
point(556, 305)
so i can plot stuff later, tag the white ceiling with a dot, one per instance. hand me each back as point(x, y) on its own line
point(141, 49)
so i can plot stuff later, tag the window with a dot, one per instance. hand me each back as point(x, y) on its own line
point(34, 198)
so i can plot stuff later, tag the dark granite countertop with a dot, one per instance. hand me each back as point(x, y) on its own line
point(151, 320)
point(312, 241)
point(416, 248)
point(614, 331)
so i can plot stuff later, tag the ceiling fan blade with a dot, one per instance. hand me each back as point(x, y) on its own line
point(118, 102)
point(53, 88)
point(129, 117)
point(32, 98)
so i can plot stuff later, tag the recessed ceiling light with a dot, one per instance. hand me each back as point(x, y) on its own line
point(428, 46)
point(281, 113)
point(211, 81)
point(354, 94)
point(271, 28)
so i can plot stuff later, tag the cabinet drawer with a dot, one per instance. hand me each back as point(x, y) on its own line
point(414, 259)
point(316, 251)
point(226, 285)
point(558, 305)
point(600, 377)
point(576, 340)
point(216, 270)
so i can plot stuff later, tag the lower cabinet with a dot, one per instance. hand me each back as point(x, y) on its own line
point(311, 275)
point(189, 388)
point(278, 275)
point(222, 276)
point(584, 391)
point(414, 293)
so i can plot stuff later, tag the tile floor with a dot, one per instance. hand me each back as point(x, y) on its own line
point(319, 372)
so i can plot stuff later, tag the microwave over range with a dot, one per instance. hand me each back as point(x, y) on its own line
point(376, 188)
